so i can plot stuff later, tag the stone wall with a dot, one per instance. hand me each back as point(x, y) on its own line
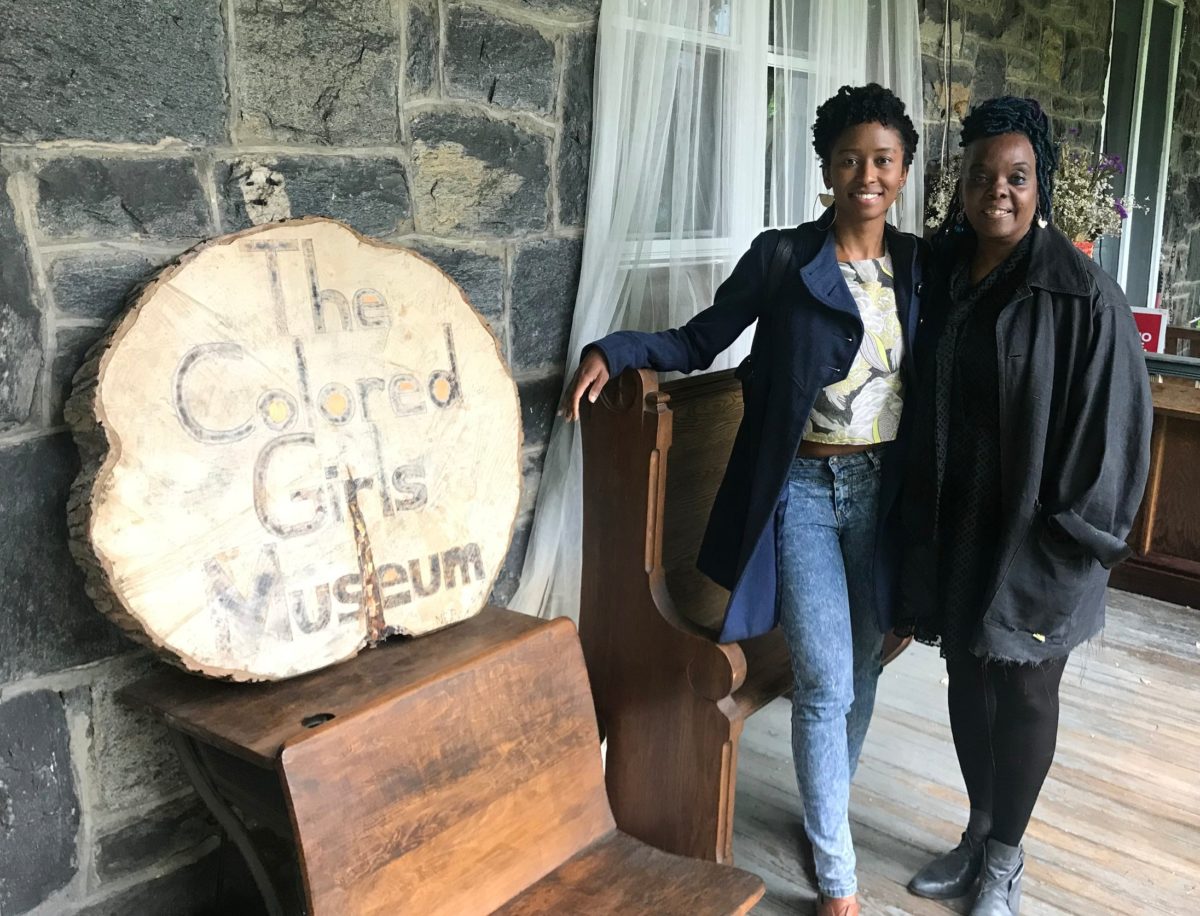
point(131, 130)
point(1053, 50)
point(1181, 219)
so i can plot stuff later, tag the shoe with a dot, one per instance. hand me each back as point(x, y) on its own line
point(837, 906)
point(1000, 881)
point(951, 874)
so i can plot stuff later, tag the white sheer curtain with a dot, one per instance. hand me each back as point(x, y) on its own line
point(870, 41)
point(701, 138)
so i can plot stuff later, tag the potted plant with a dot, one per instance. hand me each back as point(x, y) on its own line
point(1085, 207)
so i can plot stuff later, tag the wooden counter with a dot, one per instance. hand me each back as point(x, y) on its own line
point(1166, 534)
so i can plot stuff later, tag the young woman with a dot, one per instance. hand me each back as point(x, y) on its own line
point(797, 530)
point(1028, 460)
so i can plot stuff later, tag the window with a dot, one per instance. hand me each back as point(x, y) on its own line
point(789, 68)
point(1141, 98)
point(721, 139)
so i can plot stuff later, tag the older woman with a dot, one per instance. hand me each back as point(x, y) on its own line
point(798, 530)
point(1029, 458)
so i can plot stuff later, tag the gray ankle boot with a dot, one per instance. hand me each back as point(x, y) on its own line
point(951, 874)
point(1000, 881)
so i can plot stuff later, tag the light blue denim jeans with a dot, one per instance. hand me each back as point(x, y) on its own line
point(826, 542)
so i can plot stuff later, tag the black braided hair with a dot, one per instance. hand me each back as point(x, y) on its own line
point(1008, 114)
point(854, 105)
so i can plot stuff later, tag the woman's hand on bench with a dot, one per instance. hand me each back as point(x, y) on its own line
point(591, 377)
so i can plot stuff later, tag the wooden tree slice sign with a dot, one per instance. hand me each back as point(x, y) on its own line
point(297, 442)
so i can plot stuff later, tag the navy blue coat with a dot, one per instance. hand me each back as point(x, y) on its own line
point(806, 339)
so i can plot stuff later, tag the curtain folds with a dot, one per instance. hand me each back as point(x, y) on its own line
point(701, 138)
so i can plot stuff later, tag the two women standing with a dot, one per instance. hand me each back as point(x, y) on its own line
point(1019, 480)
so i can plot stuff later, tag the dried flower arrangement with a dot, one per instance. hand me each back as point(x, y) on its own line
point(1085, 207)
point(940, 192)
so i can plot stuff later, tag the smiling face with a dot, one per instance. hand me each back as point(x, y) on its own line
point(999, 188)
point(866, 171)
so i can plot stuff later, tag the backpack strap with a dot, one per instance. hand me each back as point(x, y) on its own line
point(780, 262)
point(781, 259)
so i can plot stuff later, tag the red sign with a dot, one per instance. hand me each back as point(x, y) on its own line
point(1152, 326)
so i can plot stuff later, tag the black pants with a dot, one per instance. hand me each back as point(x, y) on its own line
point(1004, 718)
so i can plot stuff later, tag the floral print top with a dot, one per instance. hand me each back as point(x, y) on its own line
point(864, 408)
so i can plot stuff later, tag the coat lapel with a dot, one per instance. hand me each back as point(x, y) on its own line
point(902, 248)
point(823, 277)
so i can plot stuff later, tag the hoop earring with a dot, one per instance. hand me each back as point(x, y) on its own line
point(823, 202)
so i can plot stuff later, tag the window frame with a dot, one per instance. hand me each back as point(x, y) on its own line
point(1135, 139)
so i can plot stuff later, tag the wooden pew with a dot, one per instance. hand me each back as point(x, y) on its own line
point(670, 699)
point(458, 774)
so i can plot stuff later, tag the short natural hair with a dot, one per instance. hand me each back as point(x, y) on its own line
point(854, 105)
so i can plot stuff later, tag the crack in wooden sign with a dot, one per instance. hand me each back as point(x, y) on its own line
point(372, 592)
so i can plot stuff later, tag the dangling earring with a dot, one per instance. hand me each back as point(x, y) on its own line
point(1041, 220)
point(958, 223)
point(824, 202)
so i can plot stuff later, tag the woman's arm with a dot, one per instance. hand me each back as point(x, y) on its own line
point(686, 349)
point(1109, 442)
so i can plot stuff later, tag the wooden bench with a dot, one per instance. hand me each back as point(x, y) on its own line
point(670, 698)
point(455, 774)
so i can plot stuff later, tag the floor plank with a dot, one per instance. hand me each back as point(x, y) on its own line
point(1117, 828)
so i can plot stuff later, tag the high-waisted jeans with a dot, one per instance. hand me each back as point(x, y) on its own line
point(826, 542)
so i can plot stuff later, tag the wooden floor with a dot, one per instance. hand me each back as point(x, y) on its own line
point(1117, 828)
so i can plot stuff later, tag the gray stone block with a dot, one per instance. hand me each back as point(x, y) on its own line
point(480, 275)
point(169, 830)
point(317, 72)
point(46, 621)
point(1051, 53)
point(545, 280)
point(989, 75)
point(532, 462)
point(112, 70)
point(134, 761)
point(983, 25)
point(539, 401)
point(368, 193)
point(575, 145)
point(510, 573)
point(573, 9)
point(117, 198)
point(1093, 68)
point(493, 60)
point(422, 48)
point(71, 347)
point(20, 321)
point(39, 808)
point(474, 174)
point(188, 891)
point(98, 285)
